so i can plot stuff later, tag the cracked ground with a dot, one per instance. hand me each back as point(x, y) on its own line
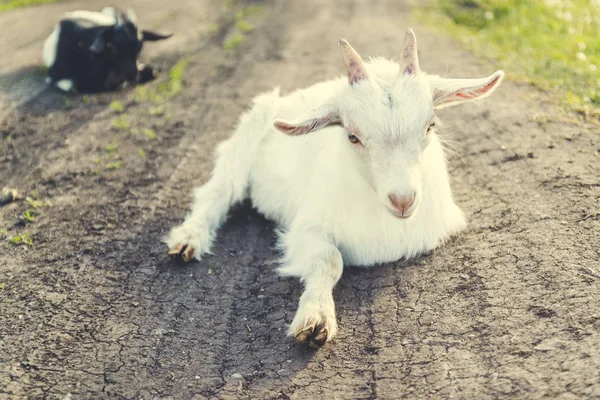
point(95, 309)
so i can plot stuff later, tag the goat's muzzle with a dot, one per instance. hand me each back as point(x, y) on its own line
point(403, 205)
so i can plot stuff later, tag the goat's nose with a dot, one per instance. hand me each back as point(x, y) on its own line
point(402, 203)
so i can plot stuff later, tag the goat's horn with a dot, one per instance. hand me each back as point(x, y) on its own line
point(354, 64)
point(410, 57)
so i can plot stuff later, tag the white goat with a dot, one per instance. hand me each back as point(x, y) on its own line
point(372, 187)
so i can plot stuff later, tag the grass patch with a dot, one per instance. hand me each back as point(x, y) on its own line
point(36, 202)
point(114, 165)
point(244, 26)
point(29, 216)
point(117, 107)
point(165, 90)
point(112, 147)
point(175, 82)
point(14, 4)
point(22, 238)
point(141, 153)
point(121, 123)
point(156, 111)
point(150, 133)
point(553, 44)
point(233, 41)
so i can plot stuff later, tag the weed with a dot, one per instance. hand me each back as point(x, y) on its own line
point(29, 216)
point(158, 110)
point(23, 238)
point(165, 89)
point(176, 77)
point(112, 147)
point(117, 107)
point(142, 153)
point(113, 165)
point(233, 41)
point(36, 202)
point(121, 123)
point(244, 26)
point(149, 132)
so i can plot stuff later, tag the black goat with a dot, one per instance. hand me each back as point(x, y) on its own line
point(96, 51)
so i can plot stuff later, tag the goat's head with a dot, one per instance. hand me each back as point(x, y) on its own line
point(121, 44)
point(388, 118)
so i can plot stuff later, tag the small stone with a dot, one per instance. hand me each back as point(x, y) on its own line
point(549, 345)
point(197, 377)
point(237, 375)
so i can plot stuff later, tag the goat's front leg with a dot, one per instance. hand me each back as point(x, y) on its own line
point(195, 235)
point(318, 263)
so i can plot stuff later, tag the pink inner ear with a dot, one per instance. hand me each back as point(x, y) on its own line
point(467, 94)
point(292, 130)
point(355, 72)
point(332, 118)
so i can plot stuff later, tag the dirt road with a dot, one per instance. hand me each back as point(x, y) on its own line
point(95, 309)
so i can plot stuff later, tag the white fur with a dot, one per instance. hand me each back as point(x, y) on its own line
point(65, 85)
point(50, 45)
point(93, 18)
point(329, 196)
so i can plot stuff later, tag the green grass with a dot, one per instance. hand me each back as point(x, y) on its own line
point(150, 133)
point(244, 26)
point(112, 147)
point(233, 41)
point(553, 44)
point(14, 4)
point(36, 202)
point(121, 123)
point(156, 111)
point(114, 165)
point(22, 238)
point(166, 89)
point(117, 107)
point(29, 216)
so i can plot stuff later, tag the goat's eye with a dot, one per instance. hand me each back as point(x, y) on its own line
point(430, 127)
point(353, 139)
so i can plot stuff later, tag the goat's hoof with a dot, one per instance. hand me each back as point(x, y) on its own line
point(183, 252)
point(315, 337)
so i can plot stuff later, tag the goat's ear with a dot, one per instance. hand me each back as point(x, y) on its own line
point(153, 36)
point(316, 119)
point(410, 56)
point(448, 92)
point(354, 64)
